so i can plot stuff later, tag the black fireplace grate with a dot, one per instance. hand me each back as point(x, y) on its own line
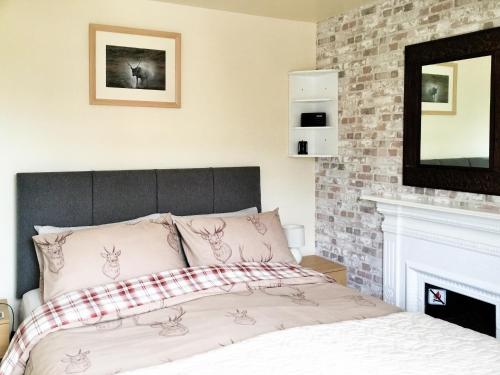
point(459, 309)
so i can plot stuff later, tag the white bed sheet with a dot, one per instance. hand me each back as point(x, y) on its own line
point(396, 344)
point(30, 301)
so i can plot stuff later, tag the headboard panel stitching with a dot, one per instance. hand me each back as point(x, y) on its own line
point(156, 183)
point(92, 195)
point(213, 184)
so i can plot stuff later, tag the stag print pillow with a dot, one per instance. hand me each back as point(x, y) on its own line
point(80, 259)
point(225, 240)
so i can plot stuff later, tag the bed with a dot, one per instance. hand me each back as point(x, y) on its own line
point(251, 317)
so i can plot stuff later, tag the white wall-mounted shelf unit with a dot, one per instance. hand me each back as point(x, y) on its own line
point(313, 91)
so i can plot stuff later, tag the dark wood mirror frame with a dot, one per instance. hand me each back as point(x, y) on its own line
point(467, 179)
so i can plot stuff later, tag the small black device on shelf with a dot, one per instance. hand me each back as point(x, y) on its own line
point(313, 119)
point(302, 148)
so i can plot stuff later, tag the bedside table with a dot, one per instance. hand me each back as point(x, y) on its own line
point(4, 328)
point(328, 267)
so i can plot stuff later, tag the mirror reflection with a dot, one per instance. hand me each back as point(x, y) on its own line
point(455, 124)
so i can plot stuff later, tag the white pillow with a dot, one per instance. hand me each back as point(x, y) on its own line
point(30, 301)
point(49, 229)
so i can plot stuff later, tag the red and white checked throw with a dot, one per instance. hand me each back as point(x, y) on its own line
point(96, 302)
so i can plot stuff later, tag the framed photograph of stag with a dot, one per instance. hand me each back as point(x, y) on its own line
point(439, 89)
point(134, 67)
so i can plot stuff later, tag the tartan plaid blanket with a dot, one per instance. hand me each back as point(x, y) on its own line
point(72, 309)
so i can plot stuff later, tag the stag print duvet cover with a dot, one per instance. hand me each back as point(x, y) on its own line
point(192, 311)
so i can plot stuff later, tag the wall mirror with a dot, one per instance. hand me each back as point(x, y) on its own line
point(452, 113)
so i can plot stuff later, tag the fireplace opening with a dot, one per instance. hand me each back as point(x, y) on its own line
point(459, 309)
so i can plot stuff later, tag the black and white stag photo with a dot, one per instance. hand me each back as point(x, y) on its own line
point(135, 68)
point(435, 88)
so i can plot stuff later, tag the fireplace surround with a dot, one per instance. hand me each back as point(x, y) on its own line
point(455, 248)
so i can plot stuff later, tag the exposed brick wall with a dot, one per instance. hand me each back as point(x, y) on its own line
point(367, 47)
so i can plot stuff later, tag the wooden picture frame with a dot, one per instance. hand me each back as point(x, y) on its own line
point(449, 71)
point(134, 67)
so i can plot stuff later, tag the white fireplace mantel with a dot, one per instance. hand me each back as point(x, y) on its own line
point(455, 248)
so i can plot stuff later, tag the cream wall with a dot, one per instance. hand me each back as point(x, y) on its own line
point(234, 102)
point(467, 133)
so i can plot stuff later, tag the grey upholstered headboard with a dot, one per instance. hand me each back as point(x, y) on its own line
point(89, 198)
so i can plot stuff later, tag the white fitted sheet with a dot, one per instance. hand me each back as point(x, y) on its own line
point(30, 301)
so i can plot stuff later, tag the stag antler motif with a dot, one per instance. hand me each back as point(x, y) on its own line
point(262, 259)
point(256, 286)
point(170, 327)
point(280, 327)
point(110, 325)
point(221, 250)
point(53, 251)
point(226, 288)
point(173, 236)
point(296, 295)
point(77, 363)
point(360, 300)
point(241, 317)
point(269, 284)
point(258, 225)
point(111, 268)
point(247, 292)
point(231, 342)
point(140, 74)
point(107, 325)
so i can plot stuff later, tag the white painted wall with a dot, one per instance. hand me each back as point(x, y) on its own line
point(465, 134)
point(234, 102)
